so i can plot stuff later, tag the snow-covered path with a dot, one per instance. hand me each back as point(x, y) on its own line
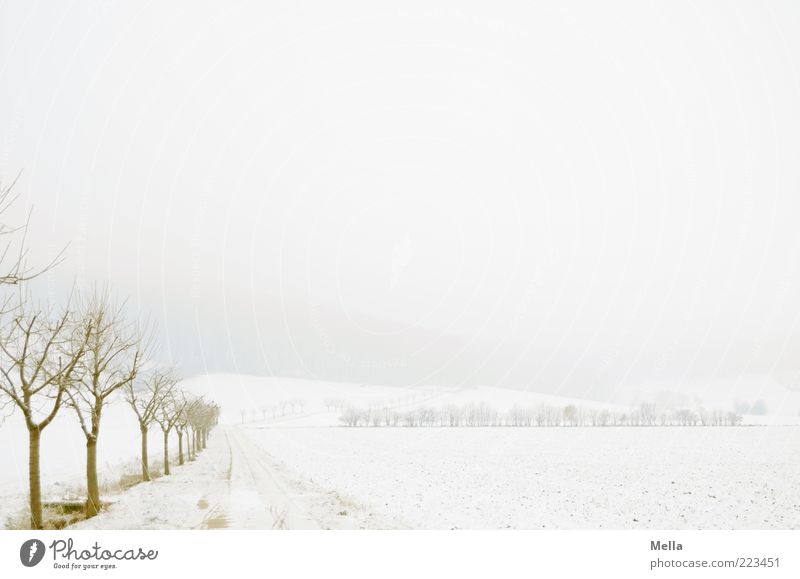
point(233, 484)
point(255, 496)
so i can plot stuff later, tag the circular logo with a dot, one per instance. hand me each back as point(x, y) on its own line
point(32, 552)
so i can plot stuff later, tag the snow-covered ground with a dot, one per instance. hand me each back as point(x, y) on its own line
point(63, 456)
point(232, 485)
point(259, 396)
point(169, 502)
point(63, 446)
point(533, 478)
point(303, 470)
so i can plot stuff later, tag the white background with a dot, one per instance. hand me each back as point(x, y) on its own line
point(415, 554)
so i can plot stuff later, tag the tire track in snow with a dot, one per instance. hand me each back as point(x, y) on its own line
point(255, 497)
point(216, 518)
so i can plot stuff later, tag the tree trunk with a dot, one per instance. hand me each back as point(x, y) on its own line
point(180, 447)
point(93, 489)
point(166, 452)
point(145, 469)
point(203, 435)
point(34, 436)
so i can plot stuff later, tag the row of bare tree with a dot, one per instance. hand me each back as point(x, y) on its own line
point(80, 357)
point(287, 407)
point(483, 414)
point(159, 401)
point(339, 404)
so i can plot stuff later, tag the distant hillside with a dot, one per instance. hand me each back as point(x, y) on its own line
point(262, 397)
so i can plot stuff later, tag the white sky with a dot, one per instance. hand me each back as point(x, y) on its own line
point(564, 196)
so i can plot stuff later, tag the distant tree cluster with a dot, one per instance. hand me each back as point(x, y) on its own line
point(483, 414)
point(341, 405)
point(289, 407)
point(296, 406)
point(336, 404)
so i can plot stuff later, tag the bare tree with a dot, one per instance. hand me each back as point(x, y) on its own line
point(571, 415)
point(207, 418)
point(40, 355)
point(13, 251)
point(648, 413)
point(115, 351)
point(167, 414)
point(145, 400)
point(182, 423)
point(194, 418)
point(202, 419)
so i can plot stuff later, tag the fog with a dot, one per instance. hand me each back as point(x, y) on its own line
point(581, 199)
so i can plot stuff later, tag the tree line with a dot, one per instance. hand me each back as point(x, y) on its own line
point(483, 414)
point(289, 407)
point(80, 357)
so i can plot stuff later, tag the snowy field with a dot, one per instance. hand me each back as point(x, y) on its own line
point(568, 478)
point(314, 469)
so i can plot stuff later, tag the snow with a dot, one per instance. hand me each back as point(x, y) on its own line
point(235, 393)
point(168, 502)
point(305, 471)
point(780, 393)
point(533, 478)
point(770, 420)
point(63, 455)
point(503, 399)
point(232, 485)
